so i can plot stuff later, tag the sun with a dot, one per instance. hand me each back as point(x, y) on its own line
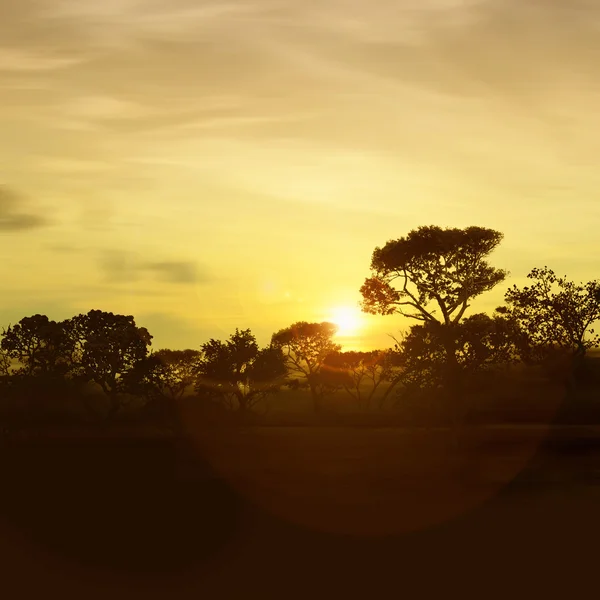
point(348, 320)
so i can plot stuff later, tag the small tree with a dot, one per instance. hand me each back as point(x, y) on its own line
point(482, 344)
point(237, 372)
point(5, 363)
point(39, 345)
point(305, 347)
point(366, 374)
point(175, 371)
point(554, 313)
point(162, 379)
point(111, 346)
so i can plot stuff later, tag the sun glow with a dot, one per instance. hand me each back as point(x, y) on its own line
point(348, 319)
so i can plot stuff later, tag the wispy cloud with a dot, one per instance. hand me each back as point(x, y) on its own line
point(121, 267)
point(176, 271)
point(14, 217)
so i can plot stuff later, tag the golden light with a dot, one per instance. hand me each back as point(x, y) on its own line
point(348, 319)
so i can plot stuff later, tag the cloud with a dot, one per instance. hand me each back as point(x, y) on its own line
point(121, 267)
point(12, 218)
point(176, 271)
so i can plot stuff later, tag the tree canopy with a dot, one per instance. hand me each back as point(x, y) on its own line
point(237, 372)
point(430, 270)
point(111, 347)
point(39, 345)
point(305, 347)
point(554, 313)
point(366, 373)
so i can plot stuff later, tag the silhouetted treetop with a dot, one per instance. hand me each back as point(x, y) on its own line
point(554, 312)
point(365, 373)
point(171, 372)
point(306, 345)
point(238, 372)
point(40, 345)
point(5, 364)
point(111, 346)
point(447, 267)
point(481, 343)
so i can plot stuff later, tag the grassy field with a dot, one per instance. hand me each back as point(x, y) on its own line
point(237, 505)
point(235, 509)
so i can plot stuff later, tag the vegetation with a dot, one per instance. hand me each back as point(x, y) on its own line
point(430, 276)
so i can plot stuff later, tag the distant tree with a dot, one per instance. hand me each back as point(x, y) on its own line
point(176, 370)
point(5, 373)
point(5, 363)
point(237, 373)
point(554, 313)
point(161, 379)
point(431, 275)
point(305, 347)
point(39, 345)
point(483, 344)
point(366, 374)
point(111, 346)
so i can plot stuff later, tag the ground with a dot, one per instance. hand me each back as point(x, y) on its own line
point(236, 510)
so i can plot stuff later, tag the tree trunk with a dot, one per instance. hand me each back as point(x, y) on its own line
point(454, 388)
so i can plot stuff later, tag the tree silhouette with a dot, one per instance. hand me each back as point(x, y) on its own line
point(446, 267)
point(237, 373)
point(40, 346)
point(5, 364)
point(555, 313)
point(162, 378)
point(483, 344)
point(306, 346)
point(175, 370)
point(431, 275)
point(366, 374)
point(111, 347)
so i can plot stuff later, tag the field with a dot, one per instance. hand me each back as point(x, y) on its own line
point(234, 502)
point(236, 506)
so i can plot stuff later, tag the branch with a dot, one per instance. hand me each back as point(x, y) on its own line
point(417, 305)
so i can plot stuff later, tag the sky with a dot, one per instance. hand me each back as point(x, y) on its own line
point(207, 165)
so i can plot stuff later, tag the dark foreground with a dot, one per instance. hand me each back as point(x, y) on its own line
point(287, 512)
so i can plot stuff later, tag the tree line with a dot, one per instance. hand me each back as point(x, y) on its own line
point(430, 277)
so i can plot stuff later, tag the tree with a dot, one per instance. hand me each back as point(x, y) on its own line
point(237, 372)
point(554, 313)
point(305, 347)
point(162, 378)
point(366, 374)
point(5, 363)
point(483, 343)
point(111, 346)
point(431, 275)
point(39, 345)
point(484, 348)
point(175, 371)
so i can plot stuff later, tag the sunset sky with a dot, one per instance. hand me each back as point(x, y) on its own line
point(212, 164)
